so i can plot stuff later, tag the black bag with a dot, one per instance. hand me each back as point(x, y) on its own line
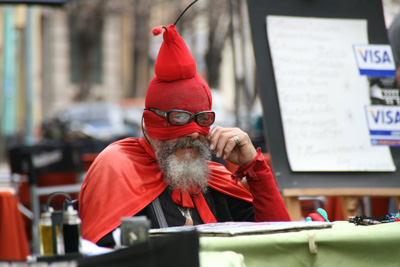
point(178, 249)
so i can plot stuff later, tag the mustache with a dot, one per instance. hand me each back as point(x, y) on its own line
point(187, 143)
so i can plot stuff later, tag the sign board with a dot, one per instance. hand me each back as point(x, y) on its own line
point(372, 32)
point(375, 60)
point(384, 124)
point(322, 95)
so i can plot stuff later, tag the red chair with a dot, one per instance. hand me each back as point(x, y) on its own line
point(50, 168)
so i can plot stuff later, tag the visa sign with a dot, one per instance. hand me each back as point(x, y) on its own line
point(383, 117)
point(384, 124)
point(375, 60)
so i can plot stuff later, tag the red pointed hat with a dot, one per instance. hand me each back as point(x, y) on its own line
point(176, 85)
point(174, 60)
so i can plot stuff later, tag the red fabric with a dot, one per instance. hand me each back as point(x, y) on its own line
point(13, 239)
point(184, 199)
point(157, 30)
point(268, 203)
point(334, 209)
point(125, 178)
point(192, 95)
point(379, 206)
point(176, 85)
point(204, 211)
point(174, 60)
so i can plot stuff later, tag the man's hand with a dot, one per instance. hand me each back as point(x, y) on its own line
point(240, 151)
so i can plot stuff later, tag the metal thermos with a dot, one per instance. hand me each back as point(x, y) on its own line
point(72, 231)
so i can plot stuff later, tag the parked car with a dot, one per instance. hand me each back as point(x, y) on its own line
point(100, 120)
point(132, 109)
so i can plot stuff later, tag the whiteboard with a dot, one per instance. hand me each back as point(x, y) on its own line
point(321, 95)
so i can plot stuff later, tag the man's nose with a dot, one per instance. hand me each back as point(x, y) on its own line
point(193, 135)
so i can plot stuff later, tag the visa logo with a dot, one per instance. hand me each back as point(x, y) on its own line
point(385, 116)
point(375, 56)
point(375, 60)
point(383, 124)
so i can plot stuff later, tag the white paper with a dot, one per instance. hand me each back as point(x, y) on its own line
point(91, 249)
point(243, 228)
point(321, 95)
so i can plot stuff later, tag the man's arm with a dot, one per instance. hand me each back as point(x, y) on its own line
point(268, 203)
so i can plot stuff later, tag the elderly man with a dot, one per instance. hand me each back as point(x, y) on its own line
point(168, 174)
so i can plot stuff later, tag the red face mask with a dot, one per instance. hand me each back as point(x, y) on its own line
point(192, 95)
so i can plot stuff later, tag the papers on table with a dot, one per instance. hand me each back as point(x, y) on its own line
point(244, 228)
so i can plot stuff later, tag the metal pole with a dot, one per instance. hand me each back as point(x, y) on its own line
point(9, 93)
point(29, 138)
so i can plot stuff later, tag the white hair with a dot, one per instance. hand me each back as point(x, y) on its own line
point(188, 173)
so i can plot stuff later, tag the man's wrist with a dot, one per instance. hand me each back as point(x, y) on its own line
point(249, 170)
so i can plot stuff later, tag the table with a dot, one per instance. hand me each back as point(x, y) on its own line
point(345, 244)
point(13, 239)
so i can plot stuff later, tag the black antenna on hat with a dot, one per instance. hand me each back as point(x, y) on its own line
point(184, 11)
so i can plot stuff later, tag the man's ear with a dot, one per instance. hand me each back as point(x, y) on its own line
point(148, 138)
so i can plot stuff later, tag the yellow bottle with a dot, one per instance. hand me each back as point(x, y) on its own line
point(46, 235)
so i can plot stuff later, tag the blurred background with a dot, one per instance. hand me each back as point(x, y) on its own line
point(56, 61)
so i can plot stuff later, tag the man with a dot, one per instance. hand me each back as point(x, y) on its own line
point(167, 175)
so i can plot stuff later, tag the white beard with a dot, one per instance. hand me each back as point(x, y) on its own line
point(188, 173)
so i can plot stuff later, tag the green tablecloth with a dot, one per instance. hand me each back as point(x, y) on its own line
point(221, 259)
point(345, 244)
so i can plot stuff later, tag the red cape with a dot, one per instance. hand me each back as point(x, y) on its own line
point(125, 178)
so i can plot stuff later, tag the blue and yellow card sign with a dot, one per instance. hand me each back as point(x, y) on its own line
point(375, 60)
point(384, 124)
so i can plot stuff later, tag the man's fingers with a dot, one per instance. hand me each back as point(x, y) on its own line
point(222, 140)
point(229, 147)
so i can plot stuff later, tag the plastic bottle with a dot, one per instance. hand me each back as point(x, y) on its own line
point(72, 231)
point(46, 234)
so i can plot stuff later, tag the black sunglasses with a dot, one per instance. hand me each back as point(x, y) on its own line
point(183, 117)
